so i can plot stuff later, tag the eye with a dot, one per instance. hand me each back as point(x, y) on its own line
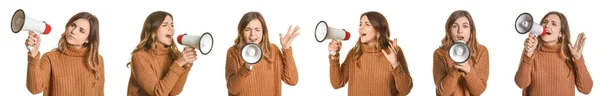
point(454, 26)
point(72, 24)
point(81, 30)
point(465, 26)
point(172, 25)
point(554, 24)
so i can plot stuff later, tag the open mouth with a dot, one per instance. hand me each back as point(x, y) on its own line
point(170, 36)
point(460, 38)
point(363, 34)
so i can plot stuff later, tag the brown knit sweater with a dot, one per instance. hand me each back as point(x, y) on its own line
point(449, 81)
point(65, 73)
point(155, 73)
point(265, 77)
point(547, 73)
point(371, 74)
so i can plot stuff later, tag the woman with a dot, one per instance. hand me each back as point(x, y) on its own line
point(550, 66)
point(74, 68)
point(263, 78)
point(158, 68)
point(375, 66)
point(460, 79)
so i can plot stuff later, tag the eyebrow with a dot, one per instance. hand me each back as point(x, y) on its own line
point(82, 28)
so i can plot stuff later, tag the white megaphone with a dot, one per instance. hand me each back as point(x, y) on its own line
point(524, 24)
point(251, 53)
point(459, 52)
point(204, 42)
point(323, 31)
point(20, 22)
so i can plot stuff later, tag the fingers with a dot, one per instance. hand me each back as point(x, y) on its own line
point(289, 31)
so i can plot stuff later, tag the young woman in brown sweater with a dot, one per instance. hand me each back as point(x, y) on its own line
point(550, 66)
point(263, 78)
point(375, 66)
point(74, 68)
point(157, 66)
point(460, 79)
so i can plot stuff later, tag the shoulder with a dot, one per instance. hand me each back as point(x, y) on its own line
point(273, 46)
point(439, 51)
point(233, 49)
point(482, 49)
point(51, 54)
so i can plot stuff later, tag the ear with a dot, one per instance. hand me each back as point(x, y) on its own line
point(560, 35)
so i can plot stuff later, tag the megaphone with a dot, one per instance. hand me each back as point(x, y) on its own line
point(459, 52)
point(251, 53)
point(20, 22)
point(204, 42)
point(525, 24)
point(323, 31)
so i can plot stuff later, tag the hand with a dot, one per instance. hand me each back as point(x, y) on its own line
point(578, 48)
point(286, 40)
point(188, 55)
point(334, 46)
point(33, 40)
point(530, 44)
point(392, 57)
point(465, 67)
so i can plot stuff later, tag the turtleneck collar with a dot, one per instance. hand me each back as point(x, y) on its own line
point(158, 49)
point(71, 51)
point(369, 49)
point(550, 48)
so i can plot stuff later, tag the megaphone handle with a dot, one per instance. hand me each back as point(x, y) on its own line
point(29, 46)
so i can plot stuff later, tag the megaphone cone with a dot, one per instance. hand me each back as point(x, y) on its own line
point(323, 31)
point(525, 24)
point(251, 53)
point(204, 43)
point(459, 52)
point(19, 22)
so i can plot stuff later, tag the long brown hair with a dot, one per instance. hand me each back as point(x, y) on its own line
point(565, 40)
point(93, 38)
point(381, 27)
point(265, 43)
point(472, 43)
point(148, 37)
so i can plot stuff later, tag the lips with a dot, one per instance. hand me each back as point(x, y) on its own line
point(170, 36)
point(460, 38)
point(363, 34)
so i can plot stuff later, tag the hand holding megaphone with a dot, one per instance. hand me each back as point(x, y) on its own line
point(204, 42)
point(530, 44)
point(32, 43)
point(188, 56)
point(20, 22)
point(334, 47)
point(324, 31)
point(525, 24)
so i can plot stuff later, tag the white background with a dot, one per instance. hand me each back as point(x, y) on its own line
point(418, 25)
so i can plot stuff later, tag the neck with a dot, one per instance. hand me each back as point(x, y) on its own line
point(371, 43)
point(551, 42)
point(76, 46)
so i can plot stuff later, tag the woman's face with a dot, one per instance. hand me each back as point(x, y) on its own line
point(461, 29)
point(552, 24)
point(77, 33)
point(164, 33)
point(366, 31)
point(253, 31)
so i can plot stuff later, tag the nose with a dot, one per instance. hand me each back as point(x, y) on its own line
point(458, 30)
point(171, 28)
point(72, 31)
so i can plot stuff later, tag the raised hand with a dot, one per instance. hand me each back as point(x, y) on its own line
point(334, 46)
point(392, 56)
point(286, 40)
point(578, 48)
